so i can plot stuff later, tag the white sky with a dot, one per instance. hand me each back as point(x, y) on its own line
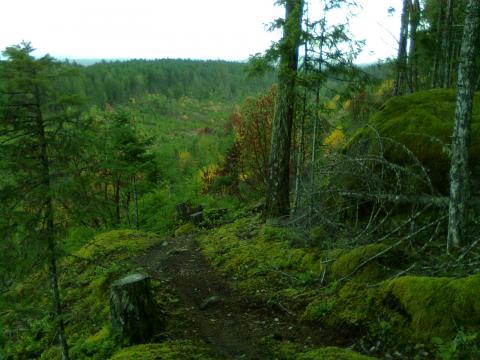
point(197, 29)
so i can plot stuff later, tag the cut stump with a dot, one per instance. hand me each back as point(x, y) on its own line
point(135, 315)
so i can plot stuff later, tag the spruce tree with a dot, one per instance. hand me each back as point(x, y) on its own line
point(36, 124)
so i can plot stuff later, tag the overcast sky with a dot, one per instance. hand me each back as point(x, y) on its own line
point(197, 29)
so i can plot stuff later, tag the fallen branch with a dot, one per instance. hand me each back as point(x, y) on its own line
point(384, 251)
point(460, 258)
point(437, 201)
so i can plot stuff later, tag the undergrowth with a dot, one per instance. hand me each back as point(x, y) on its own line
point(359, 292)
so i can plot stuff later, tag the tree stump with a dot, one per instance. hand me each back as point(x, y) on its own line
point(135, 315)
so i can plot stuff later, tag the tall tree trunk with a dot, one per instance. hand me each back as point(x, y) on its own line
point(401, 78)
point(278, 190)
point(447, 45)
point(459, 171)
point(436, 79)
point(316, 121)
point(300, 157)
point(312, 170)
point(301, 147)
point(49, 229)
point(117, 199)
point(413, 52)
point(135, 199)
point(127, 208)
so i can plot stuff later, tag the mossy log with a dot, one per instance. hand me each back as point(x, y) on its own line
point(135, 315)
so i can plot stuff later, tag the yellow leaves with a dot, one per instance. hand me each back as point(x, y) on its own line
point(209, 173)
point(335, 141)
point(243, 176)
point(332, 103)
point(184, 158)
point(385, 89)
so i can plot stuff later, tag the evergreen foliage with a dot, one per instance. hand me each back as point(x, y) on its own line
point(117, 82)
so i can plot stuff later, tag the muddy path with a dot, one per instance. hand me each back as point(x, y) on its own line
point(233, 325)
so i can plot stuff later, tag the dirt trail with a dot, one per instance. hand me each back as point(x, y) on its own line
point(230, 323)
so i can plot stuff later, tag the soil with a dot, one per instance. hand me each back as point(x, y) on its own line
point(234, 326)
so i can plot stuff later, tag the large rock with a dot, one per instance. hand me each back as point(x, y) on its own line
point(423, 124)
point(135, 315)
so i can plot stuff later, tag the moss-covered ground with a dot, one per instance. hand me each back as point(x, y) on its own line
point(85, 278)
point(344, 297)
point(358, 297)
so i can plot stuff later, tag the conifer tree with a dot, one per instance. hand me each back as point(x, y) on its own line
point(35, 124)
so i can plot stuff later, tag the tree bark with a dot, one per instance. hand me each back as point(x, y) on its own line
point(400, 78)
point(459, 171)
point(278, 190)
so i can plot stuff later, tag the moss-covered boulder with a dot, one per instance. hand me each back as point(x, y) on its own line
point(406, 310)
point(423, 123)
point(435, 307)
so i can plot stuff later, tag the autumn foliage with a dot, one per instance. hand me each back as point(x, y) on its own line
point(247, 160)
point(253, 127)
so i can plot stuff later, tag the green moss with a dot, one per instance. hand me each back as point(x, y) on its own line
point(85, 280)
point(348, 309)
point(289, 351)
point(436, 307)
point(171, 350)
point(126, 241)
point(348, 263)
point(407, 310)
point(318, 309)
point(423, 122)
point(185, 229)
point(99, 336)
point(260, 257)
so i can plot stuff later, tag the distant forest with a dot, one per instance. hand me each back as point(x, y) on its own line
point(117, 82)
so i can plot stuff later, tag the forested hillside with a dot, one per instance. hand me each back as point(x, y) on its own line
point(117, 82)
point(297, 206)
